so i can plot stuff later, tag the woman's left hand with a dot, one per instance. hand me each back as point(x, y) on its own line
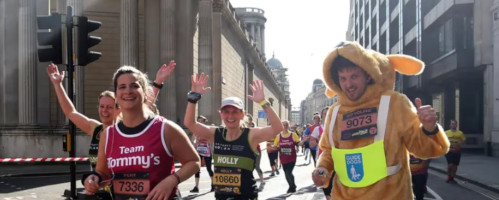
point(163, 189)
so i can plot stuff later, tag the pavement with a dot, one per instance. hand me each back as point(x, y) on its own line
point(474, 168)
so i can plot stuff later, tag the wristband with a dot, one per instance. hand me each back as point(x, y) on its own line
point(157, 85)
point(177, 177)
point(263, 102)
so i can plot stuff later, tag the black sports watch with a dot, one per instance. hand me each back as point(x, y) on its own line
point(193, 97)
point(435, 131)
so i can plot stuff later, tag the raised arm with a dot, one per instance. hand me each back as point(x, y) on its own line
point(86, 124)
point(197, 89)
point(263, 134)
point(163, 73)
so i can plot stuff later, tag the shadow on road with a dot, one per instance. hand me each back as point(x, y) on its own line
point(307, 189)
point(16, 184)
point(193, 196)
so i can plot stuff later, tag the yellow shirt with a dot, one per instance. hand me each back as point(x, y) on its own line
point(296, 139)
point(455, 138)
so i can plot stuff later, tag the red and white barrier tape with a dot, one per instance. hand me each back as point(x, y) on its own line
point(67, 159)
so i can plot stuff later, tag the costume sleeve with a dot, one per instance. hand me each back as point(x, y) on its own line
point(405, 119)
point(276, 141)
point(325, 160)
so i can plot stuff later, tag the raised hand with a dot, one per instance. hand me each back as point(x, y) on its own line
point(54, 75)
point(427, 115)
point(198, 83)
point(258, 91)
point(164, 72)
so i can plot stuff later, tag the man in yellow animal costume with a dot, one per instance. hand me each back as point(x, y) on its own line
point(370, 130)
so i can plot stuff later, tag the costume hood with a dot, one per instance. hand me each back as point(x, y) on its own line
point(380, 67)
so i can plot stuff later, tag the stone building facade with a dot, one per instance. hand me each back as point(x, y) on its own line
point(200, 35)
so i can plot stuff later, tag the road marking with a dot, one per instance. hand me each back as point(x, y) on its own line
point(433, 194)
point(484, 192)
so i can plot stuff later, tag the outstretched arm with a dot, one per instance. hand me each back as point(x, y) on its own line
point(86, 124)
point(163, 73)
point(190, 122)
point(263, 134)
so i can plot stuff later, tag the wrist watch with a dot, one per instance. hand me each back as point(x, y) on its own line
point(426, 132)
point(193, 97)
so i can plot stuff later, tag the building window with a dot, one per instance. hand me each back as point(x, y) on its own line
point(445, 38)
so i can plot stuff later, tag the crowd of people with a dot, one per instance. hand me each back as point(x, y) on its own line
point(361, 146)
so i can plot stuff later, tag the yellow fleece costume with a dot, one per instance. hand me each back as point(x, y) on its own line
point(403, 129)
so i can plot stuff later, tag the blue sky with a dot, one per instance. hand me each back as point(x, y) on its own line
point(301, 34)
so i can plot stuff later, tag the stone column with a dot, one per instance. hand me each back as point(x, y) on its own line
point(185, 24)
point(494, 100)
point(216, 88)
point(27, 58)
point(169, 52)
point(262, 29)
point(250, 72)
point(3, 11)
point(43, 85)
point(252, 32)
point(258, 38)
point(205, 47)
point(129, 45)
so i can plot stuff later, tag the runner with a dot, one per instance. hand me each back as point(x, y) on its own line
point(315, 137)
point(108, 109)
point(235, 146)
point(457, 139)
point(259, 171)
point(203, 147)
point(286, 142)
point(419, 176)
point(136, 154)
point(273, 156)
point(371, 129)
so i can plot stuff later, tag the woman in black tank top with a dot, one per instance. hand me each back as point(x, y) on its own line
point(235, 146)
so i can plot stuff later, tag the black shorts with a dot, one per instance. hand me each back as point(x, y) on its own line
point(273, 157)
point(453, 157)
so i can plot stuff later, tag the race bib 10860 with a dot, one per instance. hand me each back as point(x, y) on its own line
point(359, 124)
point(227, 180)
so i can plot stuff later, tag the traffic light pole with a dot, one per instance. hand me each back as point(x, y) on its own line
point(70, 68)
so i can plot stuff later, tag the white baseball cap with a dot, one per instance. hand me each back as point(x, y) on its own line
point(233, 101)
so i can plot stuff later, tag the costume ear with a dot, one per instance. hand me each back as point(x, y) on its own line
point(330, 93)
point(405, 64)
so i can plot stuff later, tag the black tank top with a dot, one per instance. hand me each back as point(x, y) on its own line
point(94, 146)
point(234, 163)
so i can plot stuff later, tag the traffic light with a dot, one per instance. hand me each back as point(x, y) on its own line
point(85, 41)
point(50, 36)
